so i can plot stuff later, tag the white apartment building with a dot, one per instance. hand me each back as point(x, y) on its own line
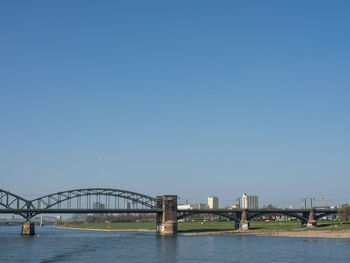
point(127, 204)
point(213, 202)
point(250, 201)
point(184, 207)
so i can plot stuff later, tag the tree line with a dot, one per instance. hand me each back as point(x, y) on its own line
point(120, 218)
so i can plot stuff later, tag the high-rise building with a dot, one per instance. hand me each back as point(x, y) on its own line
point(98, 205)
point(213, 202)
point(126, 204)
point(200, 206)
point(250, 201)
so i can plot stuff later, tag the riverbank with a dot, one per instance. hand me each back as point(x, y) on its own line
point(256, 226)
point(276, 233)
point(272, 233)
point(278, 229)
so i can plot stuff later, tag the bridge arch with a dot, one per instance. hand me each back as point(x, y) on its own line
point(286, 213)
point(319, 216)
point(191, 213)
point(56, 199)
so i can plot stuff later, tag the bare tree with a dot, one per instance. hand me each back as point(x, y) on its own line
point(269, 206)
point(344, 212)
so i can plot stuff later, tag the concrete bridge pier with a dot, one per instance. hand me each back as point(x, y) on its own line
point(306, 216)
point(28, 229)
point(311, 222)
point(244, 224)
point(166, 221)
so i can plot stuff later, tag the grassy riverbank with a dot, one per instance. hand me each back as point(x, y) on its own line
point(115, 226)
point(216, 226)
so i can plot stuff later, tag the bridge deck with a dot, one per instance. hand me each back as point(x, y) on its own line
point(148, 210)
point(259, 210)
point(79, 211)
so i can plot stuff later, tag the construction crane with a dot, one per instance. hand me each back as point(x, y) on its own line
point(323, 199)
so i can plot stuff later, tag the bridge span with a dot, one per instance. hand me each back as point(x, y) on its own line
point(111, 201)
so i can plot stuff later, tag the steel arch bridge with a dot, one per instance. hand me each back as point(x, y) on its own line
point(109, 201)
point(87, 200)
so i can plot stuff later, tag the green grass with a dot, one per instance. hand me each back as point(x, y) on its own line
point(275, 225)
point(212, 226)
point(121, 225)
point(205, 226)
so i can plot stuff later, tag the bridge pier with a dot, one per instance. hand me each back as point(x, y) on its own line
point(166, 221)
point(28, 229)
point(311, 222)
point(244, 224)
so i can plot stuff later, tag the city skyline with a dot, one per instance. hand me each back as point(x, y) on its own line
point(154, 99)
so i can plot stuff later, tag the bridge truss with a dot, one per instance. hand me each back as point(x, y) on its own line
point(88, 200)
point(109, 201)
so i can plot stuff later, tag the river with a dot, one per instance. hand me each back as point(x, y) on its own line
point(64, 245)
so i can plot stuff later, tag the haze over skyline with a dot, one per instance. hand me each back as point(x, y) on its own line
point(194, 98)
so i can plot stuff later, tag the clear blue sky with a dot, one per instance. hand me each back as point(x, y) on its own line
point(193, 98)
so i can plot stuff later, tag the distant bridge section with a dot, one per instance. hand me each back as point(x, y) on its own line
point(236, 214)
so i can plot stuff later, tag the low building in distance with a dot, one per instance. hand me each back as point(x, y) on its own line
point(200, 206)
point(213, 202)
point(184, 207)
point(127, 204)
point(250, 201)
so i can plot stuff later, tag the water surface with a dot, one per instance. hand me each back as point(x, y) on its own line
point(62, 245)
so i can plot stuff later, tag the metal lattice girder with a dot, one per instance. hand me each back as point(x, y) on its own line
point(12, 201)
point(49, 201)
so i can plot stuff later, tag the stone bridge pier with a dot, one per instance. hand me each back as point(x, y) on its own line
point(311, 222)
point(309, 219)
point(166, 221)
point(244, 224)
point(28, 229)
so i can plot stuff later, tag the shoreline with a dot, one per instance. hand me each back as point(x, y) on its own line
point(342, 234)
